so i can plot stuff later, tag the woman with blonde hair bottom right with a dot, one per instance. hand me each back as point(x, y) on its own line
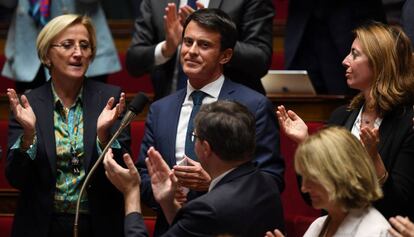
point(339, 176)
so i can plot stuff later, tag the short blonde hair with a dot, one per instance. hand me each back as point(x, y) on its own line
point(338, 161)
point(56, 26)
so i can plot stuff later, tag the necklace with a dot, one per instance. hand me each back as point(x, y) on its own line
point(73, 130)
point(367, 119)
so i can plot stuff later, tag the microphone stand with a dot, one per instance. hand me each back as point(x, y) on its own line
point(127, 119)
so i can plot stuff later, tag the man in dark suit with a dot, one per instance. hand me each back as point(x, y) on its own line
point(233, 193)
point(155, 42)
point(319, 35)
point(208, 42)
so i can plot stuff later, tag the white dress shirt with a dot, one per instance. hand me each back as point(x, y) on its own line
point(212, 90)
point(356, 128)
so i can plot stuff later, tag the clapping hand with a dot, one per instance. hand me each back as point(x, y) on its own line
point(293, 126)
point(108, 117)
point(173, 30)
point(186, 10)
point(370, 140)
point(402, 227)
point(24, 115)
point(192, 176)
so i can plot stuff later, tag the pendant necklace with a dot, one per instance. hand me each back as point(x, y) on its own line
point(74, 162)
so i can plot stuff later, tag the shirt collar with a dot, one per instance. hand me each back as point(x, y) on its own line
point(58, 102)
point(212, 89)
point(218, 178)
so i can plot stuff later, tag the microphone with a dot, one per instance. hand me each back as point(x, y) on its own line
point(135, 107)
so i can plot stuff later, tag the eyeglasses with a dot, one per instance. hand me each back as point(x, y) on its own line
point(71, 46)
point(194, 136)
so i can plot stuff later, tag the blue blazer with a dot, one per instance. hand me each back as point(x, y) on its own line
point(36, 179)
point(162, 122)
point(22, 62)
point(232, 207)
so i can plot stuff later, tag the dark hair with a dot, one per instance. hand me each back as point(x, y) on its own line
point(217, 21)
point(229, 128)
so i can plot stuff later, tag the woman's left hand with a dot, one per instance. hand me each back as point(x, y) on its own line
point(370, 139)
point(108, 117)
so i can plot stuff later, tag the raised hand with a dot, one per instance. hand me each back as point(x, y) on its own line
point(173, 30)
point(127, 181)
point(108, 117)
point(293, 126)
point(192, 176)
point(186, 10)
point(163, 180)
point(370, 140)
point(401, 227)
point(22, 111)
point(164, 184)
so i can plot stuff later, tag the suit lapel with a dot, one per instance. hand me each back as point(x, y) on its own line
point(92, 98)
point(214, 4)
point(46, 124)
point(386, 130)
point(174, 111)
point(351, 119)
point(227, 90)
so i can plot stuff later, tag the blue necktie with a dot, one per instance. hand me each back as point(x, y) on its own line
point(198, 97)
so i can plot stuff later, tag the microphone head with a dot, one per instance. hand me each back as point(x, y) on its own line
point(138, 103)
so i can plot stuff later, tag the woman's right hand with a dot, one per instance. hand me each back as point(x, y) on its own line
point(22, 112)
point(293, 126)
point(275, 233)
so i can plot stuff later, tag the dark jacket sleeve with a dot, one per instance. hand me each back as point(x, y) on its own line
point(253, 51)
point(267, 155)
point(18, 168)
point(134, 225)
point(397, 152)
point(140, 55)
point(147, 141)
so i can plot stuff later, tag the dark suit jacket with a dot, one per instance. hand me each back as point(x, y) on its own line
point(252, 54)
point(340, 17)
point(161, 130)
point(243, 203)
point(407, 19)
point(36, 179)
point(396, 148)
